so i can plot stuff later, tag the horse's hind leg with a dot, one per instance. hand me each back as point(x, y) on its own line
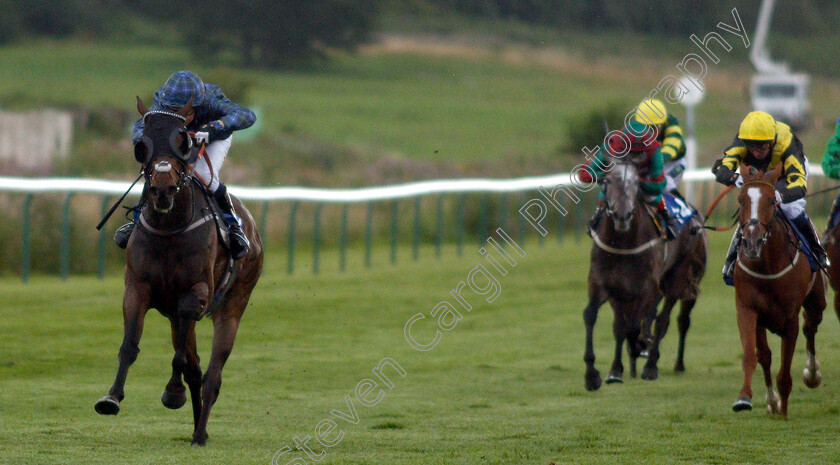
point(683, 323)
point(135, 304)
point(224, 334)
point(651, 372)
point(765, 358)
point(814, 306)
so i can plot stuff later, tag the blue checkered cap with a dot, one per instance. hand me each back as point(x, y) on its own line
point(179, 88)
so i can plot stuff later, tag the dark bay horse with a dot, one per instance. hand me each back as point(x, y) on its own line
point(174, 263)
point(773, 280)
point(632, 268)
point(831, 243)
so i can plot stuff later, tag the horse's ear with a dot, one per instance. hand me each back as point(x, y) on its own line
point(745, 172)
point(186, 108)
point(141, 107)
point(774, 175)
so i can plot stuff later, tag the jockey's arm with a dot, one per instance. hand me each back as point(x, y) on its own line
point(654, 182)
point(726, 169)
point(673, 145)
point(792, 185)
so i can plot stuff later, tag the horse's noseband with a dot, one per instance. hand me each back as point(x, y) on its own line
point(166, 167)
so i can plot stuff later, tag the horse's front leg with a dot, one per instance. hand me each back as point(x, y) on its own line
point(135, 305)
point(783, 380)
point(747, 323)
point(590, 315)
point(765, 359)
point(186, 362)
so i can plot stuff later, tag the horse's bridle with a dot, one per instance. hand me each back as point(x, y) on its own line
point(185, 172)
point(754, 221)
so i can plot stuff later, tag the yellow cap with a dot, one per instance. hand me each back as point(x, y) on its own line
point(758, 126)
point(651, 111)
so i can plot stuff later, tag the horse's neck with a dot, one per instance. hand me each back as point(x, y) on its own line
point(642, 229)
point(183, 211)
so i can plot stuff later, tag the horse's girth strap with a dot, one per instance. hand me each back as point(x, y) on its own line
point(145, 225)
point(770, 276)
point(636, 250)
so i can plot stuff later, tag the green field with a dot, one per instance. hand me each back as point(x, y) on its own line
point(505, 386)
point(452, 107)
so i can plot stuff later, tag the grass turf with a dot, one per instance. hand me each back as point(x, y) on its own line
point(504, 386)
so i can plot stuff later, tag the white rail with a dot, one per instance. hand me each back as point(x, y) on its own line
point(397, 191)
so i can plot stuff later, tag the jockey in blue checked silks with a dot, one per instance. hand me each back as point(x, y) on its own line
point(214, 118)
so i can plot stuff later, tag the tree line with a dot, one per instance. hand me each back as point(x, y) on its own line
point(291, 33)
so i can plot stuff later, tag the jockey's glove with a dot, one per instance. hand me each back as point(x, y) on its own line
point(789, 194)
point(207, 133)
point(726, 176)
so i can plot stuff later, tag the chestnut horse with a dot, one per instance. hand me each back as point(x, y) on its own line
point(773, 280)
point(174, 263)
point(633, 268)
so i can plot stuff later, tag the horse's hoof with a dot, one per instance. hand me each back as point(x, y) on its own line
point(593, 381)
point(742, 403)
point(679, 367)
point(200, 439)
point(650, 373)
point(614, 378)
point(175, 398)
point(811, 380)
point(108, 405)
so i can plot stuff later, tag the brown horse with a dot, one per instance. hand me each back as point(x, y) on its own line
point(174, 263)
point(772, 282)
point(633, 268)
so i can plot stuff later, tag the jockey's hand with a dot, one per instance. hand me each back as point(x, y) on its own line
point(788, 194)
point(207, 133)
point(726, 176)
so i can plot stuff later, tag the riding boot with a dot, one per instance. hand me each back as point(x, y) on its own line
point(668, 222)
point(806, 228)
point(731, 256)
point(239, 244)
point(123, 233)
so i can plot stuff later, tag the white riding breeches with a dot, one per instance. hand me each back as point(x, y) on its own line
point(217, 152)
point(797, 207)
point(674, 171)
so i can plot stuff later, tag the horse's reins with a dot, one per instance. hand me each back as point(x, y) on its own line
point(712, 208)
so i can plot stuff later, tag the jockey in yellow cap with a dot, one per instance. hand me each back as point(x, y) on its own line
point(669, 133)
point(763, 143)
